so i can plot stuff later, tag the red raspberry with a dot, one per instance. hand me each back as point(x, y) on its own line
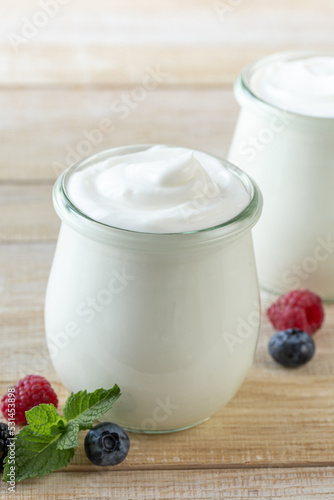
point(30, 391)
point(297, 309)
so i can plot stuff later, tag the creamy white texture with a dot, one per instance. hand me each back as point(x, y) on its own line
point(304, 85)
point(160, 190)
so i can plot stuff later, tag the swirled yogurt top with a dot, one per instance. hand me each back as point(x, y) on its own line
point(303, 85)
point(158, 190)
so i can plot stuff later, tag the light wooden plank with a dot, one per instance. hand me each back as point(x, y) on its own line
point(96, 66)
point(27, 213)
point(23, 280)
point(148, 8)
point(279, 416)
point(23, 277)
point(271, 484)
point(45, 131)
point(194, 42)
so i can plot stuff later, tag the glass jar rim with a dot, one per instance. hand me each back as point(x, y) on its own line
point(81, 222)
point(243, 89)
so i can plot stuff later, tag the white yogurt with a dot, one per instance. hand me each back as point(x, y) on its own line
point(158, 190)
point(303, 85)
point(291, 157)
point(172, 318)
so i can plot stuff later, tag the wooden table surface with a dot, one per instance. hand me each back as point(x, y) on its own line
point(68, 77)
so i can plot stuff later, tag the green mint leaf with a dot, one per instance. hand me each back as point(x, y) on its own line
point(35, 455)
point(45, 421)
point(70, 438)
point(85, 407)
point(47, 443)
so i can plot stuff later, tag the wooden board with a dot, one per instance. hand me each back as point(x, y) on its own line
point(44, 131)
point(27, 213)
point(275, 439)
point(204, 41)
point(269, 484)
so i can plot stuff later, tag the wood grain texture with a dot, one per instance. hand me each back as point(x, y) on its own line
point(27, 213)
point(44, 131)
point(94, 66)
point(271, 484)
point(87, 66)
point(194, 42)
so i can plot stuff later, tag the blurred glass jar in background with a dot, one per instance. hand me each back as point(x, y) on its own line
point(284, 139)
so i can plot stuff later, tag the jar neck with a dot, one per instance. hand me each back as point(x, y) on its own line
point(248, 98)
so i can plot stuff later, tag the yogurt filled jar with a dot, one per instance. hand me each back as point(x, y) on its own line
point(284, 139)
point(153, 284)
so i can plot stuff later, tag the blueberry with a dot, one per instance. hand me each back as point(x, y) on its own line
point(107, 444)
point(291, 347)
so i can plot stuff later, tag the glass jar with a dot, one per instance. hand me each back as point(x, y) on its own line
point(173, 319)
point(291, 157)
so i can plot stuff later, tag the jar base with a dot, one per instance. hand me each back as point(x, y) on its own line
point(164, 431)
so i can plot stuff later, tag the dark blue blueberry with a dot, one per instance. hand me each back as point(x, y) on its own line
point(291, 347)
point(107, 444)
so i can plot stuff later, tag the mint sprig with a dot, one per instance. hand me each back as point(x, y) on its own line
point(49, 440)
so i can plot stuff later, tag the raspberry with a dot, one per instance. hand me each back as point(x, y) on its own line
point(30, 391)
point(300, 309)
